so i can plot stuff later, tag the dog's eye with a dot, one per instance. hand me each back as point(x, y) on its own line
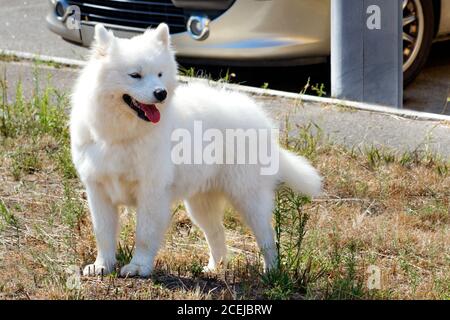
point(135, 75)
point(160, 74)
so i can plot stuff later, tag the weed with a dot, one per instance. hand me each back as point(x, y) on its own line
point(196, 269)
point(406, 159)
point(319, 90)
point(25, 160)
point(307, 141)
point(345, 283)
point(8, 216)
point(5, 127)
point(292, 274)
point(187, 72)
point(306, 87)
point(65, 164)
point(124, 254)
point(72, 209)
point(442, 169)
point(228, 77)
point(302, 92)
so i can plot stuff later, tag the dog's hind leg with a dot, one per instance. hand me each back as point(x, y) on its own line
point(206, 211)
point(256, 207)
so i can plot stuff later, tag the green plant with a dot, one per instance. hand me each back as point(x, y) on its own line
point(64, 162)
point(196, 269)
point(442, 169)
point(319, 89)
point(187, 72)
point(307, 141)
point(44, 114)
point(5, 108)
point(294, 270)
point(72, 209)
point(8, 216)
point(25, 160)
point(373, 157)
point(124, 254)
point(227, 78)
point(344, 282)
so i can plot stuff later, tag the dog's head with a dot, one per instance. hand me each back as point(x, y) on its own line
point(136, 76)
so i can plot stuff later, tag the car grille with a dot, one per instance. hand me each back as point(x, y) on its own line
point(133, 13)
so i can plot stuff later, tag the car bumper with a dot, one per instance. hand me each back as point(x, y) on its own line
point(249, 32)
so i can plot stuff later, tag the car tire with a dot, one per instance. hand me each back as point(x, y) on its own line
point(418, 25)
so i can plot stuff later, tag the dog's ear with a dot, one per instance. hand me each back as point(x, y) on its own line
point(103, 40)
point(162, 33)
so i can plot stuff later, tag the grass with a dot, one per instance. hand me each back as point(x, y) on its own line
point(230, 77)
point(380, 231)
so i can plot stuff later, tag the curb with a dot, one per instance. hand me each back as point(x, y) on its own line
point(414, 115)
point(33, 57)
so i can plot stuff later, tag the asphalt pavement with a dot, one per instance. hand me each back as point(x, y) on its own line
point(23, 28)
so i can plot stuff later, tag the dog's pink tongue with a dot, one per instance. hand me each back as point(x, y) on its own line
point(151, 112)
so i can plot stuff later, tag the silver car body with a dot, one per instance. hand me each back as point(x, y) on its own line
point(262, 32)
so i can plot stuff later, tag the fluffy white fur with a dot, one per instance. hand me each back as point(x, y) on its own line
point(123, 160)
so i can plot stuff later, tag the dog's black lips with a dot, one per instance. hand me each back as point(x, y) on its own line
point(129, 101)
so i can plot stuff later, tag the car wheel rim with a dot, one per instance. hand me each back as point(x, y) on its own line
point(413, 31)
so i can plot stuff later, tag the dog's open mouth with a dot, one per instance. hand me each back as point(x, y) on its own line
point(147, 112)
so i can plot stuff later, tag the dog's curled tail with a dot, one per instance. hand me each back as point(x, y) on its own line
point(298, 174)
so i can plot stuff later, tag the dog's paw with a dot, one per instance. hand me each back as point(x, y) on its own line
point(96, 269)
point(208, 269)
point(133, 269)
point(215, 265)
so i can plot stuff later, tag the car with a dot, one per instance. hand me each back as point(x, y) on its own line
point(246, 32)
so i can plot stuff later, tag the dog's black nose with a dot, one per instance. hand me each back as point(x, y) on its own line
point(160, 94)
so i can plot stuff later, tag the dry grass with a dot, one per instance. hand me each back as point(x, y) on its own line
point(381, 210)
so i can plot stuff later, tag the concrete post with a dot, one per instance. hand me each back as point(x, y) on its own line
point(366, 51)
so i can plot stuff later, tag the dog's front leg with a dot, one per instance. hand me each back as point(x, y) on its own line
point(153, 217)
point(105, 219)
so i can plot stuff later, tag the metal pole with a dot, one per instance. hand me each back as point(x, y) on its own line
point(366, 51)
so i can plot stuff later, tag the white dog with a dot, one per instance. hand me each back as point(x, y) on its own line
point(125, 108)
